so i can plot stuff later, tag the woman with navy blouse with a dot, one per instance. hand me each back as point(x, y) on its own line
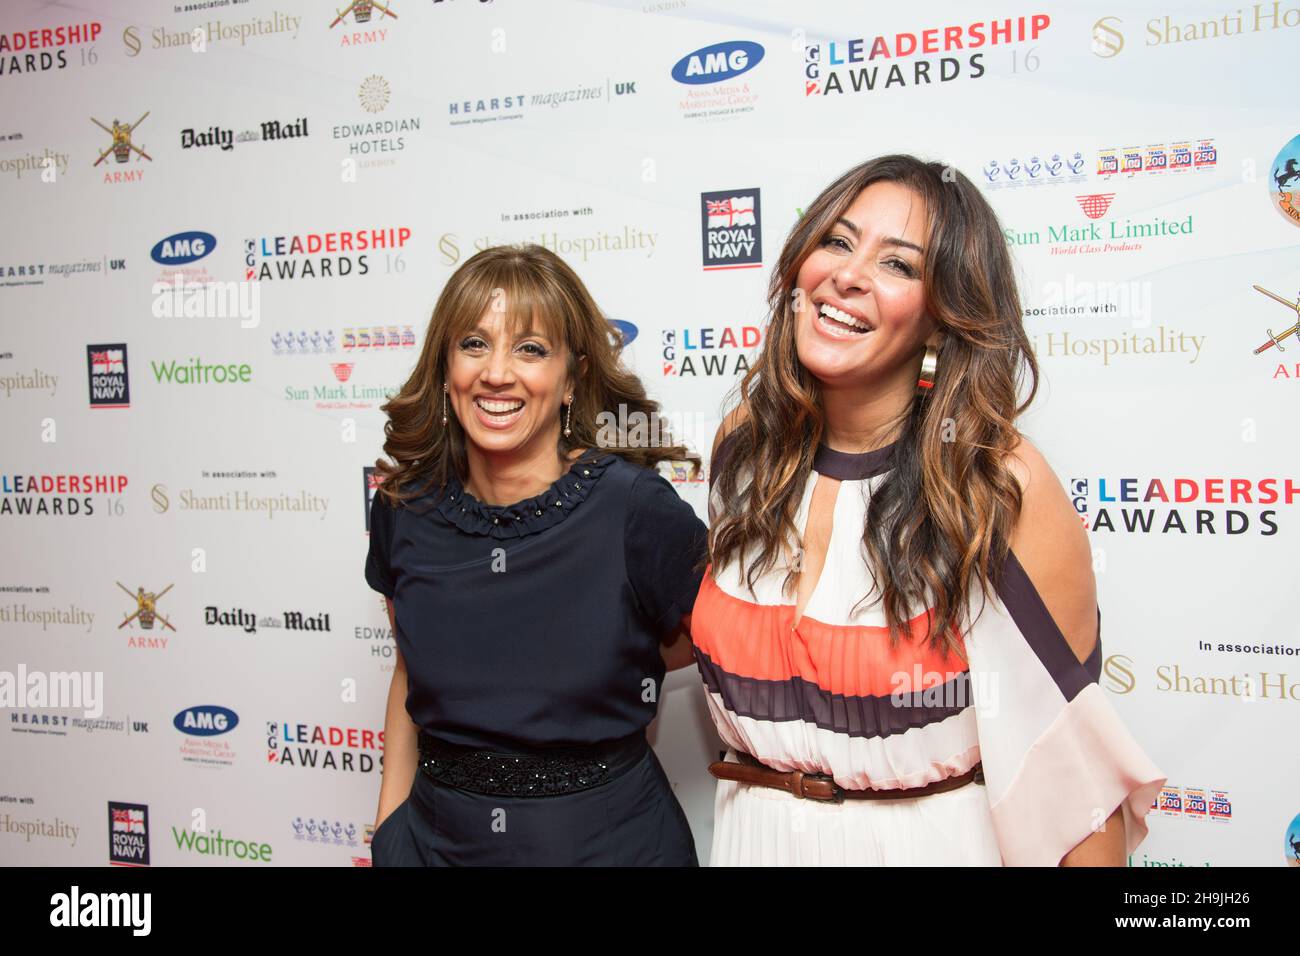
point(538, 570)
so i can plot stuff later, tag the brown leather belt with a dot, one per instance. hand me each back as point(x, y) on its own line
point(819, 786)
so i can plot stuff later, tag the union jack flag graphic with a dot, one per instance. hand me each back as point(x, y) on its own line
point(106, 362)
point(732, 211)
point(128, 821)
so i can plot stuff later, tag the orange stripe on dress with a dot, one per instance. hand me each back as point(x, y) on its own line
point(759, 641)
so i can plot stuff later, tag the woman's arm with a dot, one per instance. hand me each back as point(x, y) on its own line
point(1053, 548)
point(676, 647)
point(400, 743)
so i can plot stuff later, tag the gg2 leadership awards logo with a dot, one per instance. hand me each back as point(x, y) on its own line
point(1191, 505)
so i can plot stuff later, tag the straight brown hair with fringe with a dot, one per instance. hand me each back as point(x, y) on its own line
point(537, 289)
point(939, 522)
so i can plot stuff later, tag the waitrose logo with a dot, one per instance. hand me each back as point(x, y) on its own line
point(218, 845)
point(197, 372)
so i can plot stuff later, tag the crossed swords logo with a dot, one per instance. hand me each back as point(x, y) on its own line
point(146, 607)
point(121, 146)
point(1276, 338)
point(360, 9)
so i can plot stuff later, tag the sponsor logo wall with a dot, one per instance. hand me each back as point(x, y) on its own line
point(207, 300)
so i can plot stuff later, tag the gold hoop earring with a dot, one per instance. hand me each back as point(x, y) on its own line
point(929, 365)
point(568, 414)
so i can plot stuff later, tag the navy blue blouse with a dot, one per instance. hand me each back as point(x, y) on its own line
point(538, 623)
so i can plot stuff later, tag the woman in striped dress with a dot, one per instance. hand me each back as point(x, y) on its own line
point(898, 631)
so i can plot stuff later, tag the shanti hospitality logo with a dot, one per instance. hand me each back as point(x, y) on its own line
point(865, 64)
point(731, 229)
point(128, 834)
point(1268, 687)
point(1275, 338)
point(1167, 30)
point(110, 386)
point(1229, 506)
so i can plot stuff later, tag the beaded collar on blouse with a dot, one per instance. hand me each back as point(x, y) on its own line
point(531, 515)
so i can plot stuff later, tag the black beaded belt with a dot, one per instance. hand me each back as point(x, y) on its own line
point(537, 773)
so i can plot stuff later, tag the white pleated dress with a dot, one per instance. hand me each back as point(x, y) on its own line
point(830, 696)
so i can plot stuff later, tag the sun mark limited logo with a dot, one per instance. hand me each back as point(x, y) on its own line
point(1094, 206)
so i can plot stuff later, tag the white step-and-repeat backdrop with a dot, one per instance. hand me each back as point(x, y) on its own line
point(226, 223)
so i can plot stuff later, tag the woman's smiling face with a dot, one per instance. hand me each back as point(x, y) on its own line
point(507, 391)
point(860, 299)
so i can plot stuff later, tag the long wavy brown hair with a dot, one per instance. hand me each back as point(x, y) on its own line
point(939, 522)
point(537, 289)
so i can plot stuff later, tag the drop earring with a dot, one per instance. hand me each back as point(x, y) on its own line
point(929, 365)
point(568, 415)
point(444, 404)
